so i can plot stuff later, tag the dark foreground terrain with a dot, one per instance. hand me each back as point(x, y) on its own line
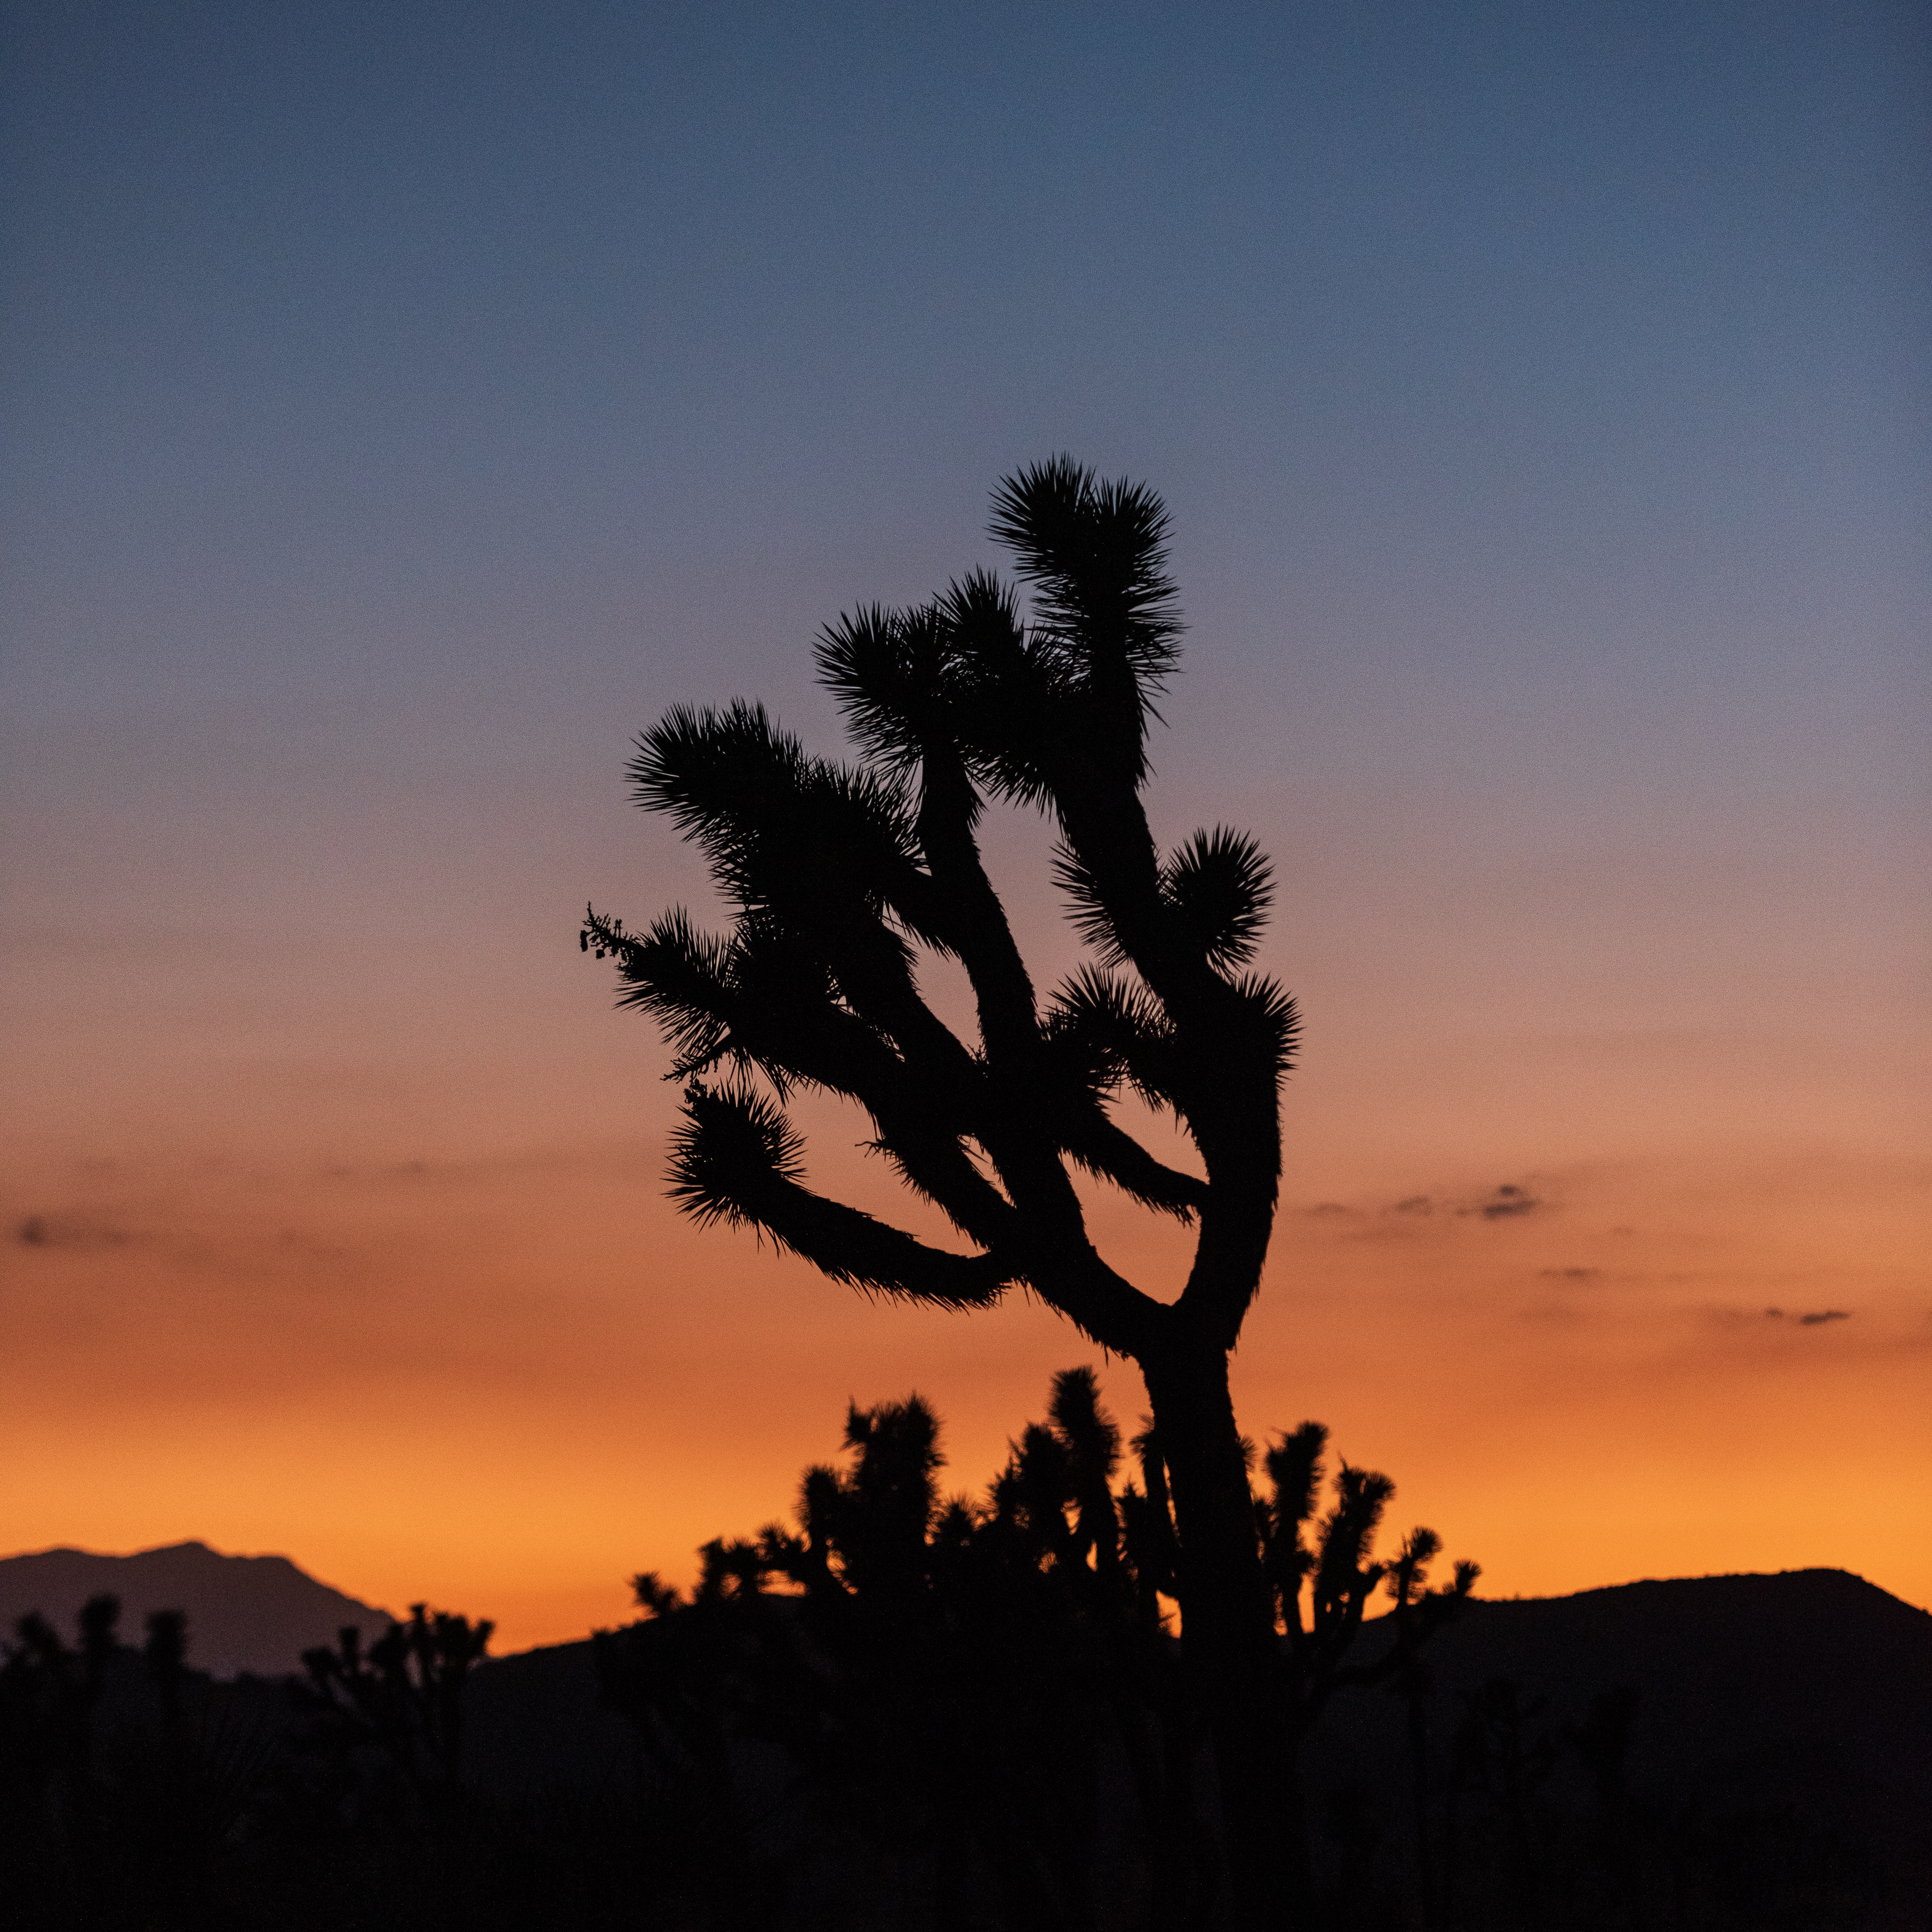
point(1732, 1751)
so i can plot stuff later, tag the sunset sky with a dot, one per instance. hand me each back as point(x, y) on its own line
point(404, 404)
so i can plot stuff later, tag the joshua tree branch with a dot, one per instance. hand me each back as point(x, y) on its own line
point(1105, 1148)
point(736, 1160)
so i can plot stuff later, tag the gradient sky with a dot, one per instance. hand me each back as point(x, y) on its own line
point(404, 404)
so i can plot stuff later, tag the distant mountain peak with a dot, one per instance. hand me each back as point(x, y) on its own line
point(254, 1614)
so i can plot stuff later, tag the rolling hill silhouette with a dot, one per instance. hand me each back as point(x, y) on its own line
point(1784, 1721)
point(254, 1614)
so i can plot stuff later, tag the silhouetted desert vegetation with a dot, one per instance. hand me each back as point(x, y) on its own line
point(904, 1710)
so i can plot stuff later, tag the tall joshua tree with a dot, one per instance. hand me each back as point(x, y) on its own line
point(838, 874)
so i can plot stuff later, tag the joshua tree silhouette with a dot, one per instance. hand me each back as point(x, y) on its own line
point(839, 873)
point(404, 1692)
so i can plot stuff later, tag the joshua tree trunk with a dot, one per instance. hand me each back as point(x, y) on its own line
point(1228, 1640)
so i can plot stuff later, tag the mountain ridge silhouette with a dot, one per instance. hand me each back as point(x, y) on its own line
point(254, 1615)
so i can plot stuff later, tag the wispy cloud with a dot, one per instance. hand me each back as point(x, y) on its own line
point(70, 1231)
point(1509, 1200)
point(1506, 1204)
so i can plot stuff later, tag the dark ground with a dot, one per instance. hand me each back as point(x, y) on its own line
point(1746, 1752)
point(1778, 1771)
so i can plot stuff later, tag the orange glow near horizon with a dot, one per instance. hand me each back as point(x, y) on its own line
point(506, 1385)
point(331, 1237)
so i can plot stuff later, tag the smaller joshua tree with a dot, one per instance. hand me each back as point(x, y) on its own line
point(404, 1693)
point(1323, 1584)
point(48, 1774)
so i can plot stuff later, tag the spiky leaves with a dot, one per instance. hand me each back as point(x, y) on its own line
point(1113, 1031)
point(1092, 1440)
point(733, 1151)
point(1218, 886)
point(814, 986)
point(1026, 707)
point(737, 1159)
point(1108, 1030)
point(1294, 1474)
point(815, 844)
point(1212, 897)
point(1345, 1571)
point(1094, 555)
point(914, 685)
